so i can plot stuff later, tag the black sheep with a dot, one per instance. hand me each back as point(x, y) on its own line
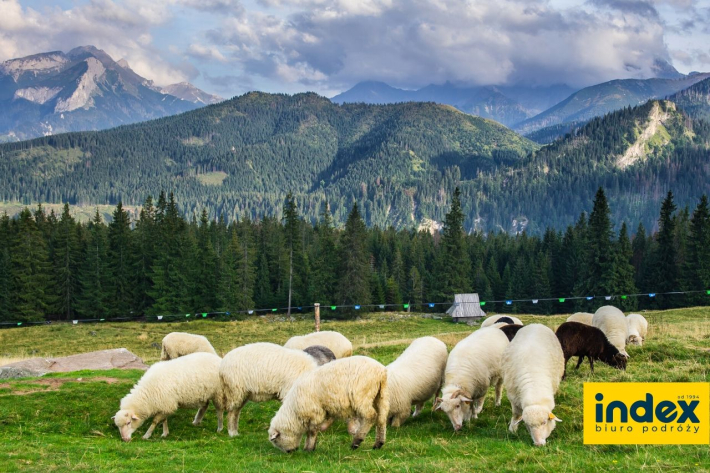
point(321, 354)
point(510, 330)
point(582, 340)
point(505, 320)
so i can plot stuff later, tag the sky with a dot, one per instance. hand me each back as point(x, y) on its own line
point(228, 47)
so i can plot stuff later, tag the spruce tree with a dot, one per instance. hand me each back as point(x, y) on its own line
point(145, 241)
point(640, 255)
point(5, 268)
point(94, 274)
point(696, 271)
point(416, 286)
point(298, 263)
point(598, 275)
point(236, 278)
point(30, 270)
point(205, 268)
point(392, 295)
point(354, 280)
point(453, 267)
point(325, 260)
point(120, 262)
point(665, 275)
point(624, 270)
point(66, 259)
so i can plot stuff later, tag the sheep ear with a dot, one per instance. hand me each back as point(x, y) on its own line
point(554, 417)
point(437, 403)
point(518, 420)
point(465, 399)
point(113, 417)
point(134, 417)
point(275, 435)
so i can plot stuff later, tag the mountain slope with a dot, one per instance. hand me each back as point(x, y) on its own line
point(243, 156)
point(504, 104)
point(695, 100)
point(187, 91)
point(83, 89)
point(607, 97)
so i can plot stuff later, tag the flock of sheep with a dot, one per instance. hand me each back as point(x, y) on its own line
point(317, 380)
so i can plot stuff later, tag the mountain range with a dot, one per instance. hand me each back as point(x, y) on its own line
point(508, 105)
point(399, 162)
point(540, 113)
point(84, 89)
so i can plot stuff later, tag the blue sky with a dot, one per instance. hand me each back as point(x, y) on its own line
point(228, 47)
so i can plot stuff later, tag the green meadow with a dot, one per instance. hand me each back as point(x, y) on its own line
point(62, 422)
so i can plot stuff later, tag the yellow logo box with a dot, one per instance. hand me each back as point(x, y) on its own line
point(647, 413)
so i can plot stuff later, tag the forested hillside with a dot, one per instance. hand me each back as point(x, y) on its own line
point(52, 267)
point(695, 100)
point(241, 157)
point(399, 162)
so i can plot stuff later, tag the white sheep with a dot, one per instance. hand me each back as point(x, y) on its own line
point(259, 372)
point(638, 328)
point(533, 365)
point(612, 322)
point(581, 317)
point(177, 344)
point(415, 377)
point(339, 345)
point(189, 381)
point(351, 388)
point(494, 318)
point(473, 366)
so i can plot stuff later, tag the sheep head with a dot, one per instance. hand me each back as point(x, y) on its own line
point(127, 423)
point(457, 406)
point(540, 422)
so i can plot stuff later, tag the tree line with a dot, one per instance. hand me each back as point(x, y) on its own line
point(53, 267)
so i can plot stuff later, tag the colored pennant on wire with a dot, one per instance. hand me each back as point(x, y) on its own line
point(652, 294)
point(589, 298)
point(333, 307)
point(357, 307)
point(508, 302)
point(561, 299)
point(431, 305)
point(483, 303)
point(406, 306)
point(535, 301)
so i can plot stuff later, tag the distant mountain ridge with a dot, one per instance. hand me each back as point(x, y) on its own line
point(84, 89)
point(505, 104)
point(600, 99)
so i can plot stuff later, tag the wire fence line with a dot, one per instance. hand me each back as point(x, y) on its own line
point(334, 308)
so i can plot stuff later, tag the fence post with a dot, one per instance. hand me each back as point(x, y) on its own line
point(316, 306)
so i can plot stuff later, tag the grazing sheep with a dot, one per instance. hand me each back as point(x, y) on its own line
point(612, 322)
point(341, 346)
point(473, 366)
point(638, 328)
point(321, 354)
point(510, 330)
point(533, 365)
point(578, 339)
point(189, 381)
point(259, 372)
point(415, 377)
point(177, 344)
point(581, 317)
point(496, 318)
point(351, 388)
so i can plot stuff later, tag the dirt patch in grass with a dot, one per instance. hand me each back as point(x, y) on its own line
point(51, 384)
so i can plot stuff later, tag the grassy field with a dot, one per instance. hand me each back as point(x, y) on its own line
point(62, 422)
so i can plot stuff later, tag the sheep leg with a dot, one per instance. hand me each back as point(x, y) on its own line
point(324, 426)
point(579, 362)
point(418, 409)
point(364, 425)
point(311, 438)
point(517, 414)
point(200, 414)
point(165, 428)
point(478, 406)
point(233, 421)
point(499, 391)
point(591, 364)
point(150, 430)
point(220, 420)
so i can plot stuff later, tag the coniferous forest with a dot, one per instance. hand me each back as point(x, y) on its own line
point(55, 268)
